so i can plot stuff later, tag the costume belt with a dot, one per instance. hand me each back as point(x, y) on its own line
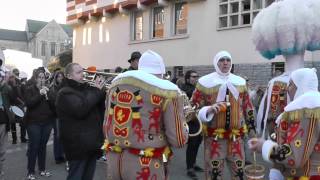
point(304, 178)
point(221, 133)
point(162, 152)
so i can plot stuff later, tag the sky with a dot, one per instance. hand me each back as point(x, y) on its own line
point(13, 13)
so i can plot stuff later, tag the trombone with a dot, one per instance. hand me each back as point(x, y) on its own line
point(90, 76)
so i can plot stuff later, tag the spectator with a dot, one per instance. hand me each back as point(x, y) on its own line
point(57, 146)
point(134, 60)
point(18, 100)
point(118, 69)
point(4, 120)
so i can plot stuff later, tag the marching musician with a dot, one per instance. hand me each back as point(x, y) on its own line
point(297, 148)
point(80, 109)
point(39, 121)
point(228, 114)
point(191, 78)
point(144, 119)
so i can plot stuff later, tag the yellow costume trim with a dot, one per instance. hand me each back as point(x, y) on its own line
point(148, 152)
point(234, 134)
point(301, 178)
point(148, 87)
point(167, 152)
point(219, 132)
point(105, 145)
point(136, 115)
point(215, 89)
point(116, 149)
point(297, 115)
point(204, 129)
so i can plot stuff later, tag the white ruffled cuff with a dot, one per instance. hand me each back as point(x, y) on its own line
point(267, 149)
point(275, 174)
point(202, 114)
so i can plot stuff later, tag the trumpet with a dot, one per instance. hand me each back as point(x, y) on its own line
point(90, 76)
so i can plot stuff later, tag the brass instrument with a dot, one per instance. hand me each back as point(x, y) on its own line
point(189, 113)
point(90, 76)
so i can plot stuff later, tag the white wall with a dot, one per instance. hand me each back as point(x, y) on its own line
point(198, 47)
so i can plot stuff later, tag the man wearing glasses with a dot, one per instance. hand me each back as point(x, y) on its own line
point(191, 78)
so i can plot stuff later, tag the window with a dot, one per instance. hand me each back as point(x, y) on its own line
point(137, 25)
point(235, 7)
point(181, 18)
point(53, 48)
point(277, 68)
point(257, 4)
point(158, 22)
point(43, 48)
point(246, 5)
point(239, 13)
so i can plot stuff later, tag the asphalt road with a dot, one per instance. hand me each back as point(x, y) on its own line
point(15, 166)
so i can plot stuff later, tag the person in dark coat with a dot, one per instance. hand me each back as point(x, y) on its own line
point(134, 60)
point(80, 108)
point(4, 118)
point(55, 86)
point(39, 120)
point(188, 87)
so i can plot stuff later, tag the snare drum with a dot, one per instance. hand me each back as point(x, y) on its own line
point(17, 111)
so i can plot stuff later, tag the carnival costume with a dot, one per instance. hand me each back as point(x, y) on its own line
point(297, 146)
point(144, 119)
point(287, 28)
point(224, 132)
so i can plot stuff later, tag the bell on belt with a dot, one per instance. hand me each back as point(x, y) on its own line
point(164, 158)
point(216, 137)
point(234, 138)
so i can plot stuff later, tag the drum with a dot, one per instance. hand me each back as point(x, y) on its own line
point(17, 111)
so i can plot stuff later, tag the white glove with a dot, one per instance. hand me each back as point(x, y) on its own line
point(275, 174)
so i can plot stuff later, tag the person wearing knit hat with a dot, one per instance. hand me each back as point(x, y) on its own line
point(297, 145)
point(220, 97)
point(144, 119)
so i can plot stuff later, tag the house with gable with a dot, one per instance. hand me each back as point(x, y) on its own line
point(42, 39)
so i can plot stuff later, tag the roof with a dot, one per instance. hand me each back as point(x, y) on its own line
point(35, 26)
point(68, 29)
point(13, 35)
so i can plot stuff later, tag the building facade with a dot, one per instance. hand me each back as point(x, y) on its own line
point(42, 39)
point(186, 33)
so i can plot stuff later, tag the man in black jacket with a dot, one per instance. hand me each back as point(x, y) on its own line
point(80, 108)
point(4, 117)
point(194, 142)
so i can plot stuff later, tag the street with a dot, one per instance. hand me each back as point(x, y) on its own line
point(15, 167)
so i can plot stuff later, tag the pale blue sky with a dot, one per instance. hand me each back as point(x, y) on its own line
point(13, 13)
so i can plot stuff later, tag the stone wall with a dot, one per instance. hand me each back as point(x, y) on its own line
point(258, 74)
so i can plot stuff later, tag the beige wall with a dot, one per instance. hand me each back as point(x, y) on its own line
point(198, 47)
